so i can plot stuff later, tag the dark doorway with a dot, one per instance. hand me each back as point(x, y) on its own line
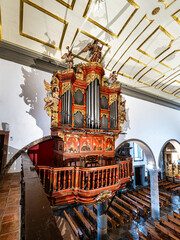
point(138, 175)
point(1, 150)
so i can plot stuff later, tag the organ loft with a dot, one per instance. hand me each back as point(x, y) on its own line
point(86, 118)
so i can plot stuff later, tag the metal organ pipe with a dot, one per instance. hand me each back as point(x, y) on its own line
point(92, 105)
point(69, 106)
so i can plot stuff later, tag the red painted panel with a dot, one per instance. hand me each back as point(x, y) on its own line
point(43, 153)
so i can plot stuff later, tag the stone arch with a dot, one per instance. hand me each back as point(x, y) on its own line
point(22, 150)
point(146, 149)
point(175, 143)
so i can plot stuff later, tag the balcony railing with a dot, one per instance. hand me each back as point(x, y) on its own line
point(78, 183)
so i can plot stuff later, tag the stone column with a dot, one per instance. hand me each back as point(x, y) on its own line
point(155, 210)
point(102, 201)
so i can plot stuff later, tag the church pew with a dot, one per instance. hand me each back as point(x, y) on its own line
point(151, 232)
point(171, 186)
point(89, 228)
point(175, 189)
point(174, 220)
point(166, 195)
point(171, 226)
point(123, 210)
point(142, 236)
point(176, 215)
point(111, 221)
point(148, 205)
point(141, 207)
point(130, 207)
point(163, 198)
point(141, 197)
point(165, 231)
point(79, 234)
point(116, 215)
point(91, 214)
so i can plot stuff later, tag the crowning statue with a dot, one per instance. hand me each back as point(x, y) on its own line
point(113, 78)
point(95, 51)
point(68, 58)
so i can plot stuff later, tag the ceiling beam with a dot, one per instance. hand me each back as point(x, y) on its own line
point(23, 56)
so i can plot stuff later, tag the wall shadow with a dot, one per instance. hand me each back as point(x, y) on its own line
point(33, 96)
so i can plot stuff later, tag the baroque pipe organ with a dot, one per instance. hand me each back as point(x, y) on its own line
point(86, 117)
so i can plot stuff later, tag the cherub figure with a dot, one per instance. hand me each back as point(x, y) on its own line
point(122, 111)
point(113, 78)
point(95, 51)
point(68, 59)
point(52, 98)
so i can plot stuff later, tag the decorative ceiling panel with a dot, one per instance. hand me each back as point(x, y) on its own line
point(141, 39)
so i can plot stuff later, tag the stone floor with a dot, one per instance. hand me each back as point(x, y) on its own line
point(130, 230)
point(10, 217)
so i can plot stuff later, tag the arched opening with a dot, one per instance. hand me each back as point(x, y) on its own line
point(169, 159)
point(142, 158)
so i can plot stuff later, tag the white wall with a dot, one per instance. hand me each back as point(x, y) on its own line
point(151, 123)
point(22, 95)
point(21, 104)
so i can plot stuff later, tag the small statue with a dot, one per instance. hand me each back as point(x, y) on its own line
point(95, 51)
point(52, 99)
point(122, 111)
point(68, 58)
point(113, 78)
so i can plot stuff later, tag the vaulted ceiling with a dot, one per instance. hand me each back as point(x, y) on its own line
point(141, 39)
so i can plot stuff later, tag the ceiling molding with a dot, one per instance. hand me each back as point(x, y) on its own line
point(35, 60)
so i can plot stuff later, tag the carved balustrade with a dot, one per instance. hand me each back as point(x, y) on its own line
point(83, 183)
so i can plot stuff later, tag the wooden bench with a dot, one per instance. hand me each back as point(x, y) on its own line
point(161, 198)
point(111, 221)
point(148, 205)
point(142, 236)
point(141, 207)
point(130, 207)
point(176, 215)
point(174, 220)
point(141, 197)
point(151, 232)
point(123, 210)
point(164, 231)
point(166, 195)
point(91, 214)
point(89, 228)
point(116, 215)
point(73, 225)
point(171, 226)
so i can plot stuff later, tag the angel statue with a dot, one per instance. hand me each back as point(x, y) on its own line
point(52, 99)
point(113, 78)
point(68, 58)
point(94, 51)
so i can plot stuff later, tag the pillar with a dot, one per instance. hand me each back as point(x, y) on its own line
point(101, 220)
point(102, 201)
point(155, 210)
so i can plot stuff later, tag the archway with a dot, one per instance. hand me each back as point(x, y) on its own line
point(143, 159)
point(169, 159)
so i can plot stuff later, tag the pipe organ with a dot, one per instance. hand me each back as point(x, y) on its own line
point(86, 115)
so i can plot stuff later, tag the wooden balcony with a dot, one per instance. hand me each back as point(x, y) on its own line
point(68, 185)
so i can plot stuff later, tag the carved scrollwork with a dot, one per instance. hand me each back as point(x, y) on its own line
point(121, 110)
point(65, 87)
point(92, 76)
point(81, 89)
point(112, 98)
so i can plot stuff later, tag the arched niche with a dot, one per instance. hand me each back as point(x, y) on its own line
point(170, 147)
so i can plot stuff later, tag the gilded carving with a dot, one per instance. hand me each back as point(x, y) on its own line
point(67, 71)
point(104, 114)
point(81, 89)
point(65, 87)
point(79, 71)
point(79, 110)
point(104, 95)
point(121, 110)
point(103, 196)
point(52, 100)
point(92, 76)
point(112, 98)
point(61, 135)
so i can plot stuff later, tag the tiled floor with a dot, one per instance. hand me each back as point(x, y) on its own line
point(10, 194)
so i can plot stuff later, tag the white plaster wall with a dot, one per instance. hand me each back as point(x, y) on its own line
point(22, 95)
point(151, 123)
